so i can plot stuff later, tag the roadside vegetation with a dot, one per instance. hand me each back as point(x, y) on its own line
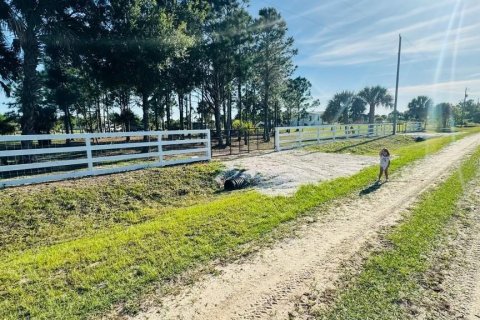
point(86, 273)
point(41, 215)
point(365, 146)
point(390, 278)
point(373, 146)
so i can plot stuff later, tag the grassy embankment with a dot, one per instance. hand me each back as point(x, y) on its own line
point(390, 277)
point(365, 146)
point(82, 274)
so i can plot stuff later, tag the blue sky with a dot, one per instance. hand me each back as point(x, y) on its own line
point(349, 44)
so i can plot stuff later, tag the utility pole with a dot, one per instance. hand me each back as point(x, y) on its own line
point(463, 109)
point(396, 87)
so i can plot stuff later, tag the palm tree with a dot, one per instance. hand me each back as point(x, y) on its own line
point(339, 107)
point(418, 108)
point(375, 97)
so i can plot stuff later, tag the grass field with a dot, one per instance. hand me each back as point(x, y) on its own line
point(117, 253)
point(365, 146)
point(390, 277)
point(373, 146)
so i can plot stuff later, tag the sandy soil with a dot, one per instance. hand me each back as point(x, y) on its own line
point(281, 173)
point(266, 285)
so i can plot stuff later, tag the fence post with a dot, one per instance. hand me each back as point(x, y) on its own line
point(334, 130)
point(209, 145)
point(277, 139)
point(88, 146)
point(160, 148)
point(318, 135)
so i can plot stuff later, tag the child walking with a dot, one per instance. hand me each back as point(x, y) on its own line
point(384, 163)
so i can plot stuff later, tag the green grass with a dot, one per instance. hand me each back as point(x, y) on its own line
point(35, 216)
point(373, 146)
point(365, 146)
point(85, 276)
point(390, 277)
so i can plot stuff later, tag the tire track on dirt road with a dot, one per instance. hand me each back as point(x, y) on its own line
point(267, 285)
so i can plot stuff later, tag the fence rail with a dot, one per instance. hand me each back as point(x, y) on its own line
point(41, 158)
point(294, 137)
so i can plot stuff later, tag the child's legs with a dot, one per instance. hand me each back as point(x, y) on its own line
point(380, 174)
point(386, 173)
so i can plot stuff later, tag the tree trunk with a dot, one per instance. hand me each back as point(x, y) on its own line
point(167, 110)
point(29, 92)
point(190, 124)
point(298, 115)
point(266, 131)
point(145, 109)
point(276, 114)
point(157, 124)
point(239, 102)
point(371, 119)
point(229, 119)
point(146, 119)
point(371, 114)
point(224, 106)
point(218, 120)
point(98, 116)
point(180, 106)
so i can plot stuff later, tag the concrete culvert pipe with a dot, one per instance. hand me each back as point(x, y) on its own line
point(235, 183)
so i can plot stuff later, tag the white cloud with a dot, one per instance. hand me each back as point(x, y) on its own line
point(451, 91)
point(376, 41)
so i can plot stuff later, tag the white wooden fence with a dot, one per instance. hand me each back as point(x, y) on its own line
point(41, 158)
point(295, 137)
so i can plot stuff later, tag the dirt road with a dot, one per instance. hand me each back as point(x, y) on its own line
point(281, 173)
point(267, 285)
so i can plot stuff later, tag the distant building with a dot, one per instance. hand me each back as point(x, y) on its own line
point(309, 119)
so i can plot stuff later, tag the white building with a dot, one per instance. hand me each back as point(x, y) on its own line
point(309, 119)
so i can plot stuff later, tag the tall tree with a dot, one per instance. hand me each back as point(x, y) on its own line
point(297, 95)
point(274, 58)
point(35, 23)
point(375, 97)
point(217, 63)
